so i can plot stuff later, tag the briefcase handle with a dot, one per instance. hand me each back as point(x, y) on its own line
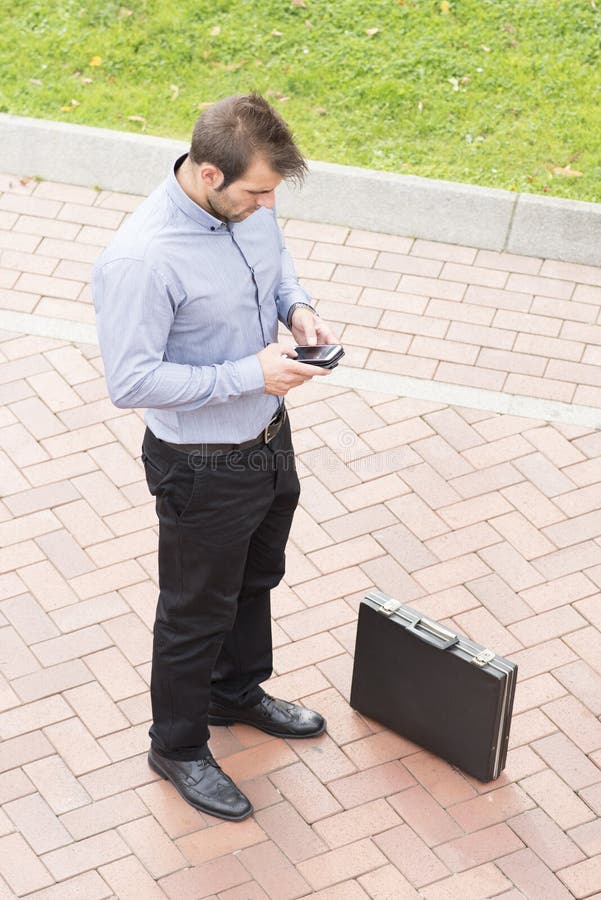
point(433, 633)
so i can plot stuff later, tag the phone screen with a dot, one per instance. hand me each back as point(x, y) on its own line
point(321, 351)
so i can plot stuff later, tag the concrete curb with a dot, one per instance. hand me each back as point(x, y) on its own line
point(485, 218)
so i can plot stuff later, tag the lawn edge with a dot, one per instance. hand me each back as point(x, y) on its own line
point(409, 205)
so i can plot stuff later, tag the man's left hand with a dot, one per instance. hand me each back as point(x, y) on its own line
point(308, 329)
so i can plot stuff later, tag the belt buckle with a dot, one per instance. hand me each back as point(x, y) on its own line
point(272, 428)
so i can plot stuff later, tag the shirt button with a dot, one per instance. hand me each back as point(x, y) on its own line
point(212, 228)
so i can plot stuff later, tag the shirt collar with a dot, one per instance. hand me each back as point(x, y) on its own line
point(187, 204)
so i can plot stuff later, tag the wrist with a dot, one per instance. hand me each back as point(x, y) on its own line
point(294, 307)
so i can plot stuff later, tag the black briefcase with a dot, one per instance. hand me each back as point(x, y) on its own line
point(437, 688)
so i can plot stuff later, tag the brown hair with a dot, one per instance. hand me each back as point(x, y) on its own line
point(232, 131)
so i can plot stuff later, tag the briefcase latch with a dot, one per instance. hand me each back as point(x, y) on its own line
point(389, 607)
point(483, 658)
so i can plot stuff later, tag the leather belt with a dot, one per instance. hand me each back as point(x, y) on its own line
point(269, 432)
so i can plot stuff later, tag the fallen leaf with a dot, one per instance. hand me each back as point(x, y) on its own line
point(275, 33)
point(454, 82)
point(95, 61)
point(281, 97)
point(124, 12)
point(445, 7)
point(320, 111)
point(140, 119)
point(508, 28)
point(111, 79)
point(299, 3)
point(258, 62)
point(215, 31)
point(371, 31)
point(464, 80)
point(174, 90)
point(486, 49)
point(308, 23)
point(420, 106)
point(205, 105)
point(87, 81)
point(566, 171)
point(24, 180)
point(36, 81)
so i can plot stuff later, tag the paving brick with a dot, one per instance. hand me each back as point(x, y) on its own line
point(451, 572)
point(76, 746)
point(32, 716)
point(491, 808)
point(413, 366)
point(89, 612)
point(361, 822)
point(411, 855)
point(268, 865)
point(51, 590)
point(115, 673)
point(454, 373)
point(71, 646)
point(86, 854)
point(152, 847)
point(14, 784)
point(542, 835)
point(379, 748)
point(305, 652)
point(175, 817)
point(557, 799)
point(17, 658)
point(298, 683)
point(529, 726)
point(23, 749)
point(96, 709)
point(130, 880)
point(425, 816)
point(286, 827)
point(199, 881)
point(226, 837)
point(267, 757)
point(98, 817)
point(583, 877)
point(477, 884)
point(118, 777)
point(387, 882)
point(532, 876)
point(38, 824)
point(583, 682)
point(482, 846)
point(89, 885)
point(588, 837)
point(305, 792)
point(576, 721)
point(57, 785)
point(107, 579)
point(342, 863)
point(37, 418)
point(445, 784)
point(20, 866)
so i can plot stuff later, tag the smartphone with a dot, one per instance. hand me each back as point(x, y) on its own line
point(324, 355)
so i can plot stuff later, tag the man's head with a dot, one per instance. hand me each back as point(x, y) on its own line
point(241, 149)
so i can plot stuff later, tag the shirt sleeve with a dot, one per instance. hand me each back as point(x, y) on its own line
point(289, 290)
point(135, 311)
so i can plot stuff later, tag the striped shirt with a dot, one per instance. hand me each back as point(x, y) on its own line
point(184, 302)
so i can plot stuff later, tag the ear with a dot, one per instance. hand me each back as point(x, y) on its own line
point(210, 175)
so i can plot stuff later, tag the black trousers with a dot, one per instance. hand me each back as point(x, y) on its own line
point(224, 520)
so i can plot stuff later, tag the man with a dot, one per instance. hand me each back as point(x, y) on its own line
point(188, 297)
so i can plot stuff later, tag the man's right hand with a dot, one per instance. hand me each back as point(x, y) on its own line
point(280, 370)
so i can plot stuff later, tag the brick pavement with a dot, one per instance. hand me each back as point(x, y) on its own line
point(490, 523)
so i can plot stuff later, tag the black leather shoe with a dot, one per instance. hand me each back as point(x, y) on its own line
point(273, 716)
point(204, 785)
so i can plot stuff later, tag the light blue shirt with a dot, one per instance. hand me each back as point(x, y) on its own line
point(184, 302)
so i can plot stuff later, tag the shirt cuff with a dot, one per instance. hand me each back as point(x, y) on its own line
point(250, 374)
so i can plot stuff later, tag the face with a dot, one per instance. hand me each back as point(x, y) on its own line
point(256, 188)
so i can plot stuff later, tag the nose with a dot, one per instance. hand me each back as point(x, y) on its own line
point(267, 200)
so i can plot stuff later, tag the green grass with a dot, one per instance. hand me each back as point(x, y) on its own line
point(494, 92)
